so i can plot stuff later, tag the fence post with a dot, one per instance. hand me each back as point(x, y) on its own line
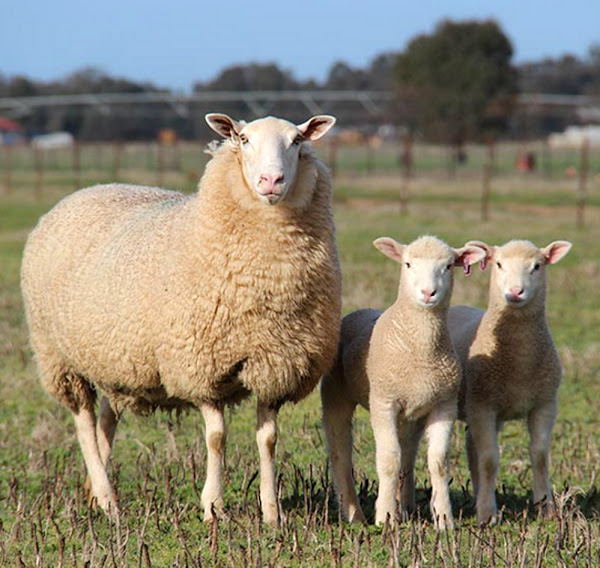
point(333, 152)
point(116, 165)
point(370, 156)
point(77, 163)
point(38, 160)
point(160, 164)
point(582, 186)
point(7, 163)
point(487, 174)
point(407, 163)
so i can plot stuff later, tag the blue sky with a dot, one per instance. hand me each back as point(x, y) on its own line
point(175, 43)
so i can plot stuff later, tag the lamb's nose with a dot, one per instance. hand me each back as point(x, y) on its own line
point(516, 291)
point(428, 294)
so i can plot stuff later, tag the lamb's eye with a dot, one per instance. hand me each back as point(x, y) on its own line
point(243, 139)
point(499, 265)
point(449, 266)
point(297, 140)
point(536, 266)
point(407, 264)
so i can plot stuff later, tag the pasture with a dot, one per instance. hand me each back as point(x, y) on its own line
point(159, 462)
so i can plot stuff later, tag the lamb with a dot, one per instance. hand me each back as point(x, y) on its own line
point(511, 367)
point(162, 301)
point(401, 366)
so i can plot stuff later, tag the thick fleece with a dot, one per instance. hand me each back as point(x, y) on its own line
point(162, 300)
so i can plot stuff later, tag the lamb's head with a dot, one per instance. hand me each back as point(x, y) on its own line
point(269, 149)
point(519, 269)
point(427, 263)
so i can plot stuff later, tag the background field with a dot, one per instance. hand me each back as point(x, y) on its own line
point(158, 464)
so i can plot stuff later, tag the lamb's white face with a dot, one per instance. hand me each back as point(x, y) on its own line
point(519, 269)
point(270, 150)
point(427, 266)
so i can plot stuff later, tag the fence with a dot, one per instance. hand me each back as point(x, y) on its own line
point(84, 164)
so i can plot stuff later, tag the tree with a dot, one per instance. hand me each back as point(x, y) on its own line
point(459, 81)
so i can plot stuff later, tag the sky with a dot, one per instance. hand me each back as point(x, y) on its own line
point(175, 43)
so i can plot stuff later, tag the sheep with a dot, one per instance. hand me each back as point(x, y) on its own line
point(166, 301)
point(400, 365)
point(511, 367)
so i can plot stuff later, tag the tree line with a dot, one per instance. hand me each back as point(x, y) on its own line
point(456, 84)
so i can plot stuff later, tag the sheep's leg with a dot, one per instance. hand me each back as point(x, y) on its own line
point(438, 430)
point(540, 423)
point(215, 435)
point(85, 423)
point(387, 457)
point(409, 434)
point(337, 423)
point(266, 439)
point(105, 429)
point(105, 434)
point(484, 429)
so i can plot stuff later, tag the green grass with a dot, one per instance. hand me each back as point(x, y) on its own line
point(158, 462)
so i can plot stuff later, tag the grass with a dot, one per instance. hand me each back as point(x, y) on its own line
point(158, 465)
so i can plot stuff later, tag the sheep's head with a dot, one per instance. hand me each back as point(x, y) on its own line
point(427, 263)
point(269, 149)
point(519, 269)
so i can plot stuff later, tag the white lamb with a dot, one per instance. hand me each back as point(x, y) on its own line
point(511, 367)
point(165, 301)
point(400, 365)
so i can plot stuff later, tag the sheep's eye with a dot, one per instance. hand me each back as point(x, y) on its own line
point(407, 264)
point(449, 266)
point(297, 140)
point(243, 139)
point(498, 265)
point(536, 266)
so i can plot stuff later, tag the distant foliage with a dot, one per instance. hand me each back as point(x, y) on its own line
point(460, 81)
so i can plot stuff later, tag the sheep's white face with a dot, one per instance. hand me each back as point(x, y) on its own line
point(427, 266)
point(270, 150)
point(519, 269)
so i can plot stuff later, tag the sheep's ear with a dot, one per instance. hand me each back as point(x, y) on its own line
point(223, 124)
point(389, 247)
point(489, 252)
point(555, 251)
point(467, 255)
point(316, 126)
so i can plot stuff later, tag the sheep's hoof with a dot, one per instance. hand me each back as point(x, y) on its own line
point(444, 523)
point(486, 520)
point(270, 516)
point(356, 516)
point(546, 509)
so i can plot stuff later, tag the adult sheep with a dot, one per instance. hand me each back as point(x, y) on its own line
point(161, 300)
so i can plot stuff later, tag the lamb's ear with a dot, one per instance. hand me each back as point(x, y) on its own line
point(467, 255)
point(223, 124)
point(389, 247)
point(555, 251)
point(489, 252)
point(316, 126)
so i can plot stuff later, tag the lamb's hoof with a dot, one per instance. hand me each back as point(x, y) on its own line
point(108, 503)
point(546, 510)
point(214, 512)
point(486, 520)
point(270, 516)
point(356, 517)
point(444, 523)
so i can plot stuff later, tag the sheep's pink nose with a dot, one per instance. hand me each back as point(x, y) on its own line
point(428, 294)
point(269, 181)
point(516, 291)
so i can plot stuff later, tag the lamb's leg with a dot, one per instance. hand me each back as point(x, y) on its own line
point(337, 423)
point(438, 430)
point(484, 429)
point(85, 423)
point(472, 460)
point(215, 435)
point(266, 439)
point(409, 434)
point(540, 423)
point(387, 458)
